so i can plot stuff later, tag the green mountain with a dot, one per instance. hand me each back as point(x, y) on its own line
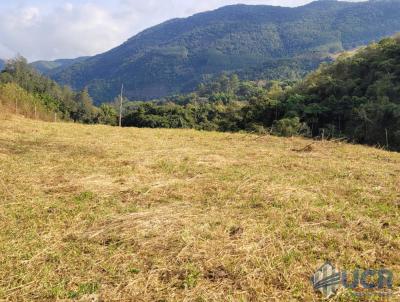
point(253, 41)
point(46, 67)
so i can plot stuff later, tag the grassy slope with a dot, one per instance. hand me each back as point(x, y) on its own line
point(172, 215)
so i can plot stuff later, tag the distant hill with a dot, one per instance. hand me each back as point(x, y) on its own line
point(2, 64)
point(46, 67)
point(253, 41)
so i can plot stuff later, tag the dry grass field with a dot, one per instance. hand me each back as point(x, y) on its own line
point(95, 213)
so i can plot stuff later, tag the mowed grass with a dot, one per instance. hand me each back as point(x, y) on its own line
point(96, 213)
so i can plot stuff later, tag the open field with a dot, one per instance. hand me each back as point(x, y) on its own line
point(96, 213)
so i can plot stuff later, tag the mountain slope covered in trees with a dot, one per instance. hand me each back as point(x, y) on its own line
point(355, 98)
point(46, 67)
point(253, 41)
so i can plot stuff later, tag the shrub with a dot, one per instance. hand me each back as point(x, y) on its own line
point(287, 127)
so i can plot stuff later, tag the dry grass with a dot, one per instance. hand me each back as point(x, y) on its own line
point(98, 213)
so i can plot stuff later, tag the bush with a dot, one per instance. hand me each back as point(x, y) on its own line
point(287, 127)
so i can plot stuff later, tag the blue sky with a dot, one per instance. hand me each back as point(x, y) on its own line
point(51, 29)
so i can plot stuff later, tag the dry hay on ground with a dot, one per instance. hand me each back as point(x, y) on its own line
point(100, 213)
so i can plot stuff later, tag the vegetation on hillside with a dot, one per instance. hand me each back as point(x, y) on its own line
point(357, 97)
point(24, 91)
point(46, 67)
point(354, 98)
point(15, 100)
point(252, 41)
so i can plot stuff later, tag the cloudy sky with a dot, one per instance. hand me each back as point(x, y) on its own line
point(51, 29)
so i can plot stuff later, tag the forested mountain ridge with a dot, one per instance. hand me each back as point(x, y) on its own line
point(253, 41)
point(46, 67)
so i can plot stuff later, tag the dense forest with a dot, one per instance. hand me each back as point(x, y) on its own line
point(253, 41)
point(355, 98)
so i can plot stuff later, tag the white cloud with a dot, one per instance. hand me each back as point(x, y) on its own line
point(72, 29)
point(66, 31)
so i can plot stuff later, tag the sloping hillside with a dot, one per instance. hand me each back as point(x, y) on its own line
point(24, 91)
point(47, 67)
point(356, 97)
point(254, 41)
point(101, 213)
